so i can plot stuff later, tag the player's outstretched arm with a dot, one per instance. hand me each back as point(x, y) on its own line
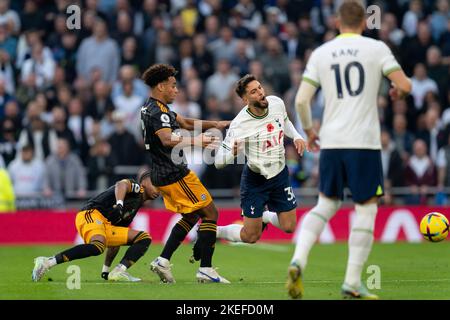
point(401, 85)
point(111, 253)
point(190, 124)
point(170, 140)
point(303, 107)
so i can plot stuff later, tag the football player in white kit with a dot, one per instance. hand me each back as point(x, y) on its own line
point(260, 128)
point(349, 70)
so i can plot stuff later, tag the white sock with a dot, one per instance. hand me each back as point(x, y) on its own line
point(231, 232)
point(311, 228)
point(52, 261)
point(272, 218)
point(360, 243)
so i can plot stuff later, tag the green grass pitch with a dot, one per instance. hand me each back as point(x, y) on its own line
point(408, 271)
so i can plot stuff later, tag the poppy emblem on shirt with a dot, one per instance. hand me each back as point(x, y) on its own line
point(270, 127)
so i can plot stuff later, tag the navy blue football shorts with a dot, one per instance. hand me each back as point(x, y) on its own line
point(257, 192)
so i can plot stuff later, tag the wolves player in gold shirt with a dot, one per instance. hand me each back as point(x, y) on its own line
point(103, 223)
point(181, 189)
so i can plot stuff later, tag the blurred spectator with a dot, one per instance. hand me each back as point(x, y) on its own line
point(81, 125)
point(184, 107)
point(9, 17)
point(203, 59)
point(401, 136)
point(319, 15)
point(106, 125)
point(236, 22)
point(420, 174)
point(4, 98)
point(252, 17)
point(8, 141)
point(31, 17)
point(128, 74)
point(432, 134)
point(131, 55)
point(439, 19)
point(66, 55)
point(59, 124)
point(224, 47)
point(129, 104)
point(39, 70)
point(222, 82)
point(443, 165)
point(7, 198)
point(412, 17)
point(421, 84)
point(274, 20)
point(293, 163)
point(310, 163)
point(27, 41)
point(392, 163)
point(395, 34)
point(276, 66)
point(185, 60)
point(241, 59)
point(189, 16)
point(194, 36)
point(65, 174)
point(124, 149)
point(37, 133)
point(27, 174)
point(99, 169)
point(307, 37)
point(59, 28)
point(437, 71)
point(12, 112)
point(163, 51)
point(414, 50)
point(99, 51)
point(101, 101)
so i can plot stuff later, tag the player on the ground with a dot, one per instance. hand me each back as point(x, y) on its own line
point(180, 187)
point(103, 223)
point(260, 128)
point(349, 70)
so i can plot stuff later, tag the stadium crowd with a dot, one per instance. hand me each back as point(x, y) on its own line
point(70, 99)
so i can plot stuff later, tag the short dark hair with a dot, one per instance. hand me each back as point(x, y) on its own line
point(242, 84)
point(352, 13)
point(158, 73)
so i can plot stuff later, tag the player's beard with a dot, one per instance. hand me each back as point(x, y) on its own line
point(261, 104)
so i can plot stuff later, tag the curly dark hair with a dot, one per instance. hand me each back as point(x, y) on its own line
point(242, 84)
point(158, 73)
point(144, 175)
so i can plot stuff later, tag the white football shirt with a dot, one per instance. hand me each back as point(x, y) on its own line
point(349, 69)
point(263, 138)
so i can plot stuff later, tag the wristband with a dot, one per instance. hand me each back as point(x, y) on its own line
point(120, 202)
